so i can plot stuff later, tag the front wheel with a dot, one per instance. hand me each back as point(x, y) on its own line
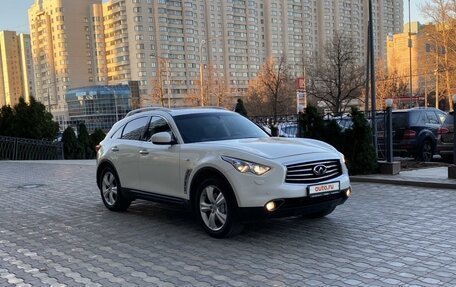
point(216, 209)
point(111, 191)
point(426, 152)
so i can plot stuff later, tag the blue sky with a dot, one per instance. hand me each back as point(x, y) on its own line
point(13, 13)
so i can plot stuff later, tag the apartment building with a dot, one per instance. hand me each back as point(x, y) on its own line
point(171, 46)
point(16, 69)
point(65, 49)
point(149, 40)
point(26, 62)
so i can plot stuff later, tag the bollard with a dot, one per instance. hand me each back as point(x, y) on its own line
point(454, 130)
point(389, 130)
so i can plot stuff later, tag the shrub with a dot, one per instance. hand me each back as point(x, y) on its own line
point(71, 147)
point(354, 143)
point(360, 153)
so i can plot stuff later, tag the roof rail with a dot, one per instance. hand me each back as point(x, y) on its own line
point(146, 109)
point(211, 107)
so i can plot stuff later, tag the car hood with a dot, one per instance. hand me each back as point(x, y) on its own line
point(273, 147)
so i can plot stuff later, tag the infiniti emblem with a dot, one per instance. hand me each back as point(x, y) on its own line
point(320, 169)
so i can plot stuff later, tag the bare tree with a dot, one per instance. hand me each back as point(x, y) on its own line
point(443, 14)
point(218, 93)
point(271, 92)
point(389, 85)
point(192, 98)
point(337, 78)
point(157, 94)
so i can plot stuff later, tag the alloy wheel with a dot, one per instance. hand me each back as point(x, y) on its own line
point(109, 188)
point(213, 208)
point(426, 153)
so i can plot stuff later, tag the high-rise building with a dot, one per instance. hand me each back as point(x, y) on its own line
point(26, 60)
point(65, 49)
point(16, 70)
point(171, 47)
point(149, 40)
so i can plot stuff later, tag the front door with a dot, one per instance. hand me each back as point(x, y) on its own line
point(159, 164)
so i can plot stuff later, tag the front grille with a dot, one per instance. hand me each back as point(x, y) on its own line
point(304, 172)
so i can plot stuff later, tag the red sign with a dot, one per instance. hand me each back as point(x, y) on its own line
point(301, 84)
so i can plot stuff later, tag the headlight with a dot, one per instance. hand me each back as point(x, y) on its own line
point(342, 157)
point(246, 166)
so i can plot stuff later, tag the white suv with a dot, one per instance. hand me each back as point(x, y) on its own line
point(219, 164)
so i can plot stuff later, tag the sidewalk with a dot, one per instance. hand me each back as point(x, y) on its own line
point(433, 177)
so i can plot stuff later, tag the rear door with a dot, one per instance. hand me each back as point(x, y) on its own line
point(126, 152)
point(433, 122)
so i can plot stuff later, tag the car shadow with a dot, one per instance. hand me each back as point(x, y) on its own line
point(175, 221)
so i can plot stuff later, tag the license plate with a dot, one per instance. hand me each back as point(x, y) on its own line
point(332, 187)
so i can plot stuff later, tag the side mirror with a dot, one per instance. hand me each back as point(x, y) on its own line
point(163, 138)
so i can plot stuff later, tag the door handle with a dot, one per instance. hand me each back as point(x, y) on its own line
point(144, 152)
point(114, 149)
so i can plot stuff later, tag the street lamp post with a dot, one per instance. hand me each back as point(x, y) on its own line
point(201, 72)
point(169, 83)
point(372, 80)
point(410, 54)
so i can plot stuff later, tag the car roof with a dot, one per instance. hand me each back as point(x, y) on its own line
point(178, 111)
point(415, 110)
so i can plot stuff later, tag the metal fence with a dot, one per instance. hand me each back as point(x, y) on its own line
point(288, 125)
point(29, 149)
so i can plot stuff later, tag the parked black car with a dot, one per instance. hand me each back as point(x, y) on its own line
point(415, 132)
point(445, 138)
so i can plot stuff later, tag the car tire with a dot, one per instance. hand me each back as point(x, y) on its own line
point(426, 152)
point(320, 213)
point(111, 191)
point(216, 209)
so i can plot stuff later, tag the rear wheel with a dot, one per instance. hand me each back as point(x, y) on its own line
point(216, 209)
point(320, 213)
point(426, 152)
point(111, 191)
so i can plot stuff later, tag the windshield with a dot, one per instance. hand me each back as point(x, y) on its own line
point(216, 127)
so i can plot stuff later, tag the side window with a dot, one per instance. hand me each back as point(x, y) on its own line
point(157, 125)
point(422, 119)
point(118, 133)
point(134, 130)
point(441, 116)
point(432, 118)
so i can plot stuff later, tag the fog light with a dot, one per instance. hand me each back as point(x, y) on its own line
point(348, 192)
point(270, 206)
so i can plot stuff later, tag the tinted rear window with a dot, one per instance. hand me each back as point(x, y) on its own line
point(400, 120)
point(449, 119)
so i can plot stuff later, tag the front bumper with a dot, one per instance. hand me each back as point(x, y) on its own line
point(294, 206)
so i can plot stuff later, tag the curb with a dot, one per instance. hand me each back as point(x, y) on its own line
point(407, 182)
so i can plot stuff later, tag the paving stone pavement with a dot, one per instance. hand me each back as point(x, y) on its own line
point(55, 231)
